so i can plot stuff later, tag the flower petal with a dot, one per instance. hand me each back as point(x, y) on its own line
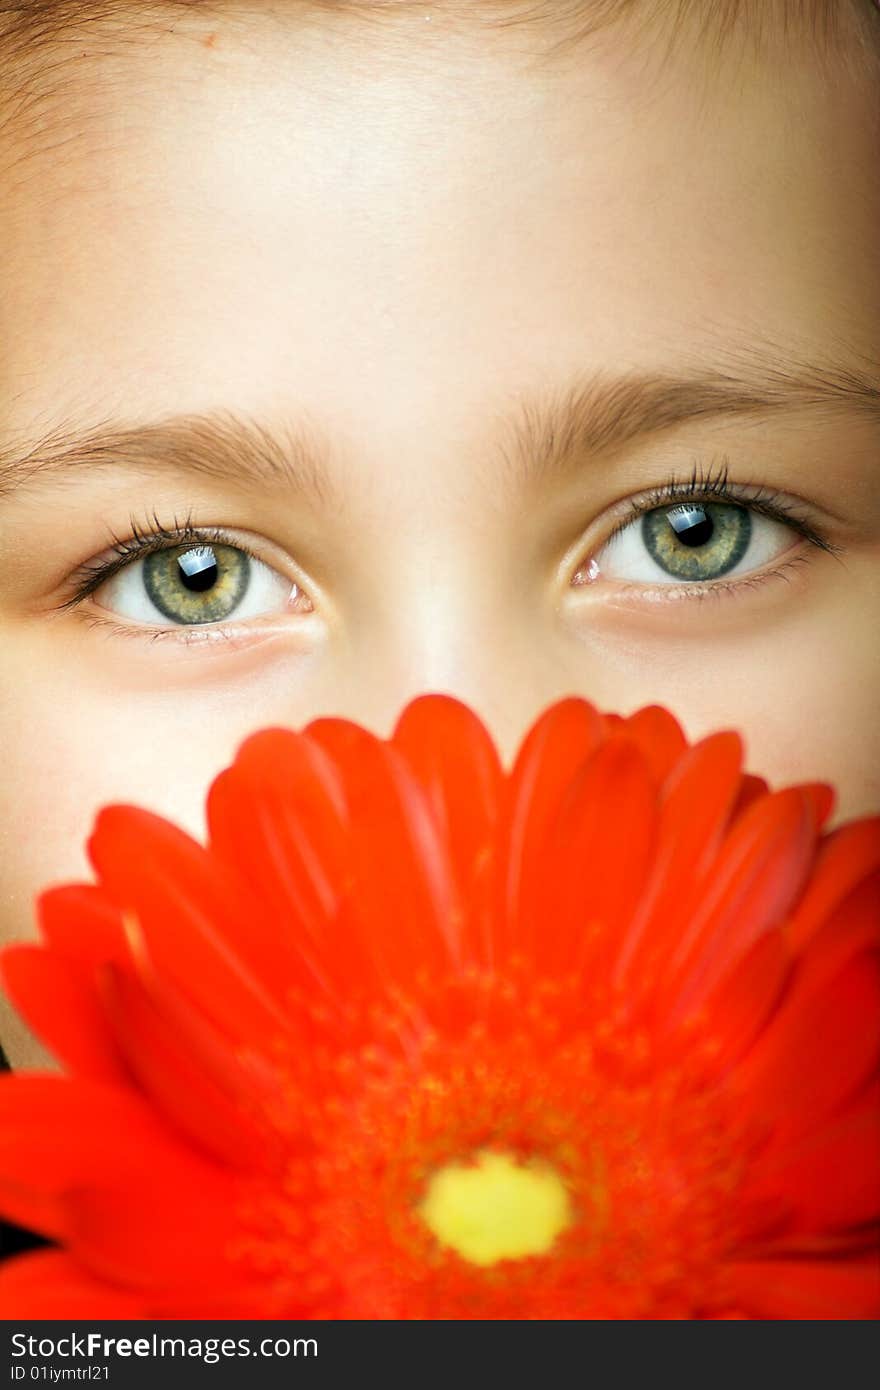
point(157, 1239)
point(197, 928)
point(659, 737)
point(851, 927)
point(455, 761)
point(80, 922)
point(391, 956)
point(548, 760)
point(279, 820)
point(694, 814)
point(402, 911)
point(110, 1135)
point(49, 1284)
point(845, 857)
point(759, 873)
point(745, 1000)
point(201, 1086)
point(57, 997)
point(751, 789)
point(593, 876)
point(830, 1178)
point(816, 1053)
point(807, 1290)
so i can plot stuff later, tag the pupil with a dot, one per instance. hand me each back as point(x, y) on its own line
point(198, 569)
point(691, 525)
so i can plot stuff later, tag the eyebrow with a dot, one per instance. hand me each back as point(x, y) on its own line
point(602, 415)
point(545, 437)
point(220, 446)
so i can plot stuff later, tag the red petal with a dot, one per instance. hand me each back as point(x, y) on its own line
point(109, 1135)
point(49, 1284)
point(548, 760)
point(199, 1084)
point(133, 1205)
point(823, 798)
point(751, 789)
point(853, 926)
point(830, 1180)
point(80, 922)
point(592, 875)
point(816, 1053)
point(455, 761)
point(171, 1241)
point(807, 1290)
point(279, 819)
point(759, 873)
point(695, 811)
point(659, 737)
point(401, 911)
point(848, 855)
point(746, 998)
point(404, 905)
point(57, 997)
point(198, 931)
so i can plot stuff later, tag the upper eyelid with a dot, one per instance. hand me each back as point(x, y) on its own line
point(89, 577)
point(776, 506)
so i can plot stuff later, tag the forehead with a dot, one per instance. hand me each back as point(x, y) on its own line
point(401, 232)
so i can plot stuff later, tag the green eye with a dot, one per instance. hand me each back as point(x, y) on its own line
point(197, 584)
point(697, 540)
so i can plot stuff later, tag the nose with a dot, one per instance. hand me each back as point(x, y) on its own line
point(462, 639)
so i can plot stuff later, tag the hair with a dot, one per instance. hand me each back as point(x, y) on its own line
point(29, 26)
point(49, 49)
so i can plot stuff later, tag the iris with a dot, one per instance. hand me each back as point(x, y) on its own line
point(197, 584)
point(697, 540)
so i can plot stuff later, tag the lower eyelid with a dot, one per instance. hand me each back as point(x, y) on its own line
point(674, 597)
point(207, 638)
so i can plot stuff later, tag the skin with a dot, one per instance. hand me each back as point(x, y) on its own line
point(399, 244)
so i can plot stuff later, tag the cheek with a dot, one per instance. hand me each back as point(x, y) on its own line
point(801, 687)
point(820, 721)
point(63, 758)
point(821, 680)
point(809, 714)
point(66, 756)
point(824, 735)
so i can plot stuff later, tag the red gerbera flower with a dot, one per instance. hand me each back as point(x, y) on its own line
point(415, 1037)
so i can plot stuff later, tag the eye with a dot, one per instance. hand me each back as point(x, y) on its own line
point(692, 542)
point(193, 584)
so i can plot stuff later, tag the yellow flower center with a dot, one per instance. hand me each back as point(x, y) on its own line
point(496, 1208)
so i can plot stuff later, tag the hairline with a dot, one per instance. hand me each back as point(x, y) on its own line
point(55, 55)
point(29, 27)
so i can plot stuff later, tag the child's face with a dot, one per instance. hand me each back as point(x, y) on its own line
point(395, 249)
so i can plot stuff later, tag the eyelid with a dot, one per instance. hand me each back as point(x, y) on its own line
point(581, 568)
point(218, 637)
point(86, 579)
point(716, 486)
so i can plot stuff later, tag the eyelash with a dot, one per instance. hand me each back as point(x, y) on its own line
point(700, 486)
point(141, 543)
point(714, 485)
